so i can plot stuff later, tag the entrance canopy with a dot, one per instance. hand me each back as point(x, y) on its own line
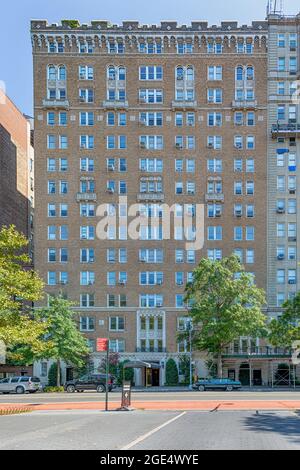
point(141, 364)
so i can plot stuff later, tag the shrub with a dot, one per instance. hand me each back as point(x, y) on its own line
point(171, 372)
point(72, 23)
point(52, 376)
point(128, 374)
point(54, 389)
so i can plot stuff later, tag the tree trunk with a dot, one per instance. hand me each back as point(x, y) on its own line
point(220, 366)
point(58, 373)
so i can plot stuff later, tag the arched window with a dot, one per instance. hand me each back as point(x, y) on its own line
point(51, 72)
point(179, 73)
point(122, 73)
point(239, 73)
point(111, 73)
point(62, 73)
point(190, 73)
point(250, 72)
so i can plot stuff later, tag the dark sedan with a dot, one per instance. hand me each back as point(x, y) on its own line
point(95, 382)
point(217, 384)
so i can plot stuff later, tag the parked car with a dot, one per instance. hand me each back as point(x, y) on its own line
point(20, 385)
point(217, 384)
point(90, 382)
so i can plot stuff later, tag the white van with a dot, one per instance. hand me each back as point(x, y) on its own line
point(20, 385)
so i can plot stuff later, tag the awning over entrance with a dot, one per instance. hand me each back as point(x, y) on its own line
point(141, 364)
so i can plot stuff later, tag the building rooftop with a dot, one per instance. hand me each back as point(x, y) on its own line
point(134, 26)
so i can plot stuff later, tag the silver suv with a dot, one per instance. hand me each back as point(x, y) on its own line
point(20, 385)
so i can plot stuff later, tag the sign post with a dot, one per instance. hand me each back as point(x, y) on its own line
point(126, 396)
point(102, 346)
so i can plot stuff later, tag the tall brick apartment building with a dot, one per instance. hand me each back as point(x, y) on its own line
point(162, 114)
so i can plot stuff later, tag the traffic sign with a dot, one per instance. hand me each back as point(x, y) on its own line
point(102, 344)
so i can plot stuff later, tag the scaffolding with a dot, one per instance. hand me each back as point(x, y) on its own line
point(251, 371)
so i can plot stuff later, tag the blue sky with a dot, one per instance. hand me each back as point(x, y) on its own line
point(16, 61)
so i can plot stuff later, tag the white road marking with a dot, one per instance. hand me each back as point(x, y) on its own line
point(148, 434)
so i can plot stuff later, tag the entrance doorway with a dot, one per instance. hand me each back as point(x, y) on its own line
point(151, 377)
point(244, 374)
point(257, 378)
point(69, 373)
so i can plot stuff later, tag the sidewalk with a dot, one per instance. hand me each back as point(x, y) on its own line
point(165, 405)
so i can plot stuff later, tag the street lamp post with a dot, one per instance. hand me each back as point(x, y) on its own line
point(190, 329)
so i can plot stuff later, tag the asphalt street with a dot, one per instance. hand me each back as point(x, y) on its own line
point(150, 396)
point(150, 430)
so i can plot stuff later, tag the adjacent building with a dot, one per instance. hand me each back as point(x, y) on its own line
point(157, 117)
point(16, 180)
point(17, 161)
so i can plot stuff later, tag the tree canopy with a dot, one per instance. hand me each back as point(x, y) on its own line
point(20, 286)
point(286, 329)
point(225, 304)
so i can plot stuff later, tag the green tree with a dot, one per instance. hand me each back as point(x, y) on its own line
point(63, 339)
point(224, 306)
point(171, 372)
point(20, 286)
point(286, 329)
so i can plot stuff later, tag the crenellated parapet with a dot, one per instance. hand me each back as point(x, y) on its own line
point(130, 37)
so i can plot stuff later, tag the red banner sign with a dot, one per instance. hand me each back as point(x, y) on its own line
point(102, 344)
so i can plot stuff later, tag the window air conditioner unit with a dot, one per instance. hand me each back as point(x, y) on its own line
point(190, 123)
point(190, 191)
point(142, 145)
point(63, 282)
point(218, 214)
point(292, 281)
point(178, 146)
point(110, 190)
point(280, 210)
point(111, 167)
point(122, 283)
point(143, 121)
point(83, 146)
point(280, 257)
point(83, 237)
point(238, 213)
point(179, 283)
point(210, 145)
point(180, 77)
point(82, 76)
point(90, 283)
point(180, 260)
point(143, 260)
point(158, 304)
point(159, 283)
point(82, 99)
point(292, 191)
point(238, 146)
